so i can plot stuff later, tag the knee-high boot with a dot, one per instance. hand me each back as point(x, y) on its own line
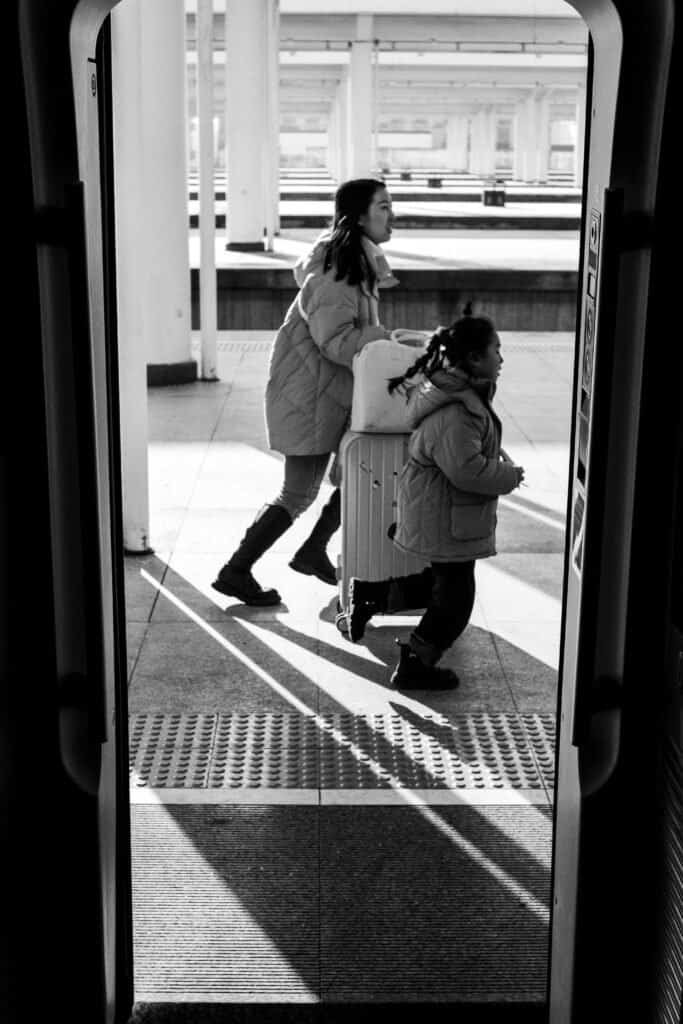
point(311, 558)
point(235, 578)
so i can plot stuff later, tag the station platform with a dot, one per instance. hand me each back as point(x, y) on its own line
point(523, 279)
point(302, 832)
point(450, 212)
point(486, 251)
point(429, 200)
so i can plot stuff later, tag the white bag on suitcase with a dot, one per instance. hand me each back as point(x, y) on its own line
point(370, 467)
point(373, 409)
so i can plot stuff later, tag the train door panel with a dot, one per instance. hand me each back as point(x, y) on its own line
point(592, 941)
point(63, 101)
point(86, 87)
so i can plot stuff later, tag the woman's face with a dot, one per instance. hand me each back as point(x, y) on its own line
point(376, 222)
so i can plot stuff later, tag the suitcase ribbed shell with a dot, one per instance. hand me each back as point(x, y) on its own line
point(370, 465)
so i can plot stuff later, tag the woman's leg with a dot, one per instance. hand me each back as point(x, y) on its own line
point(311, 559)
point(303, 476)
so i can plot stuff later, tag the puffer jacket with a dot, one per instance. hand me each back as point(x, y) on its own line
point(449, 486)
point(310, 381)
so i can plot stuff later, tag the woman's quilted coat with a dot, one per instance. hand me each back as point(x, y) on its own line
point(310, 382)
point(449, 487)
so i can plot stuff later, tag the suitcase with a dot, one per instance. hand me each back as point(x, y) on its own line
point(370, 467)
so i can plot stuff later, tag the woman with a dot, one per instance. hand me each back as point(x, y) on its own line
point(310, 381)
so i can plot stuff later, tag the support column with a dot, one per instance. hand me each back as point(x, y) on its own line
point(580, 131)
point(489, 147)
point(478, 144)
point(131, 266)
point(543, 137)
point(271, 57)
point(207, 214)
point(332, 142)
point(530, 153)
point(341, 107)
point(519, 137)
point(248, 123)
point(456, 142)
point(361, 102)
point(163, 105)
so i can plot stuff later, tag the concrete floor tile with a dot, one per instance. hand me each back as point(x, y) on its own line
point(182, 668)
point(533, 689)
point(185, 418)
point(509, 588)
point(537, 641)
point(519, 529)
point(140, 596)
point(174, 469)
point(165, 525)
point(236, 474)
point(544, 572)
point(235, 691)
point(135, 634)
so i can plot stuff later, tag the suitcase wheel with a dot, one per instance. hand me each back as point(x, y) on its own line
point(341, 623)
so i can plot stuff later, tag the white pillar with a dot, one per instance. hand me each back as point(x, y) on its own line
point(580, 130)
point(332, 142)
point(271, 57)
point(531, 140)
point(341, 106)
point(543, 137)
point(361, 100)
point(249, 126)
point(131, 266)
point(519, 129)
point(207, 214)
point(489, 146)
point(456, 142)
point(163, 103)
point(478, 144)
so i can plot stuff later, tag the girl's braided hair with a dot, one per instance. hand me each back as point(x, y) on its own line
point(470, 335)
point(345, 251)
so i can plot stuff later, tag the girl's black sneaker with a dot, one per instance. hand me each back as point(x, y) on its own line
point(365, 600)
point(412, 674)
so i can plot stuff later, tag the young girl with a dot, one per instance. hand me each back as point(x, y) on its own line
point(447, 497)
point(310, 381)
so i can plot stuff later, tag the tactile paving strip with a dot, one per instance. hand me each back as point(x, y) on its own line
point(480, 750)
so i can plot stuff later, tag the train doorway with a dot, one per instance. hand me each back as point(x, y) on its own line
point(614, 409)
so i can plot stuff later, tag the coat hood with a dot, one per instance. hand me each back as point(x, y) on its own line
point(444, 387)
point(312, 261)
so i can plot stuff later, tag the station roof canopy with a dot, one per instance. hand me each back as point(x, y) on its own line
point(478, 8)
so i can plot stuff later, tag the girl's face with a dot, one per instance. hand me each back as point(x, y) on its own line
point(488, 365)
point(376, 222)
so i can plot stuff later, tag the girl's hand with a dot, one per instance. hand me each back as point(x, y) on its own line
point(520, 475)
